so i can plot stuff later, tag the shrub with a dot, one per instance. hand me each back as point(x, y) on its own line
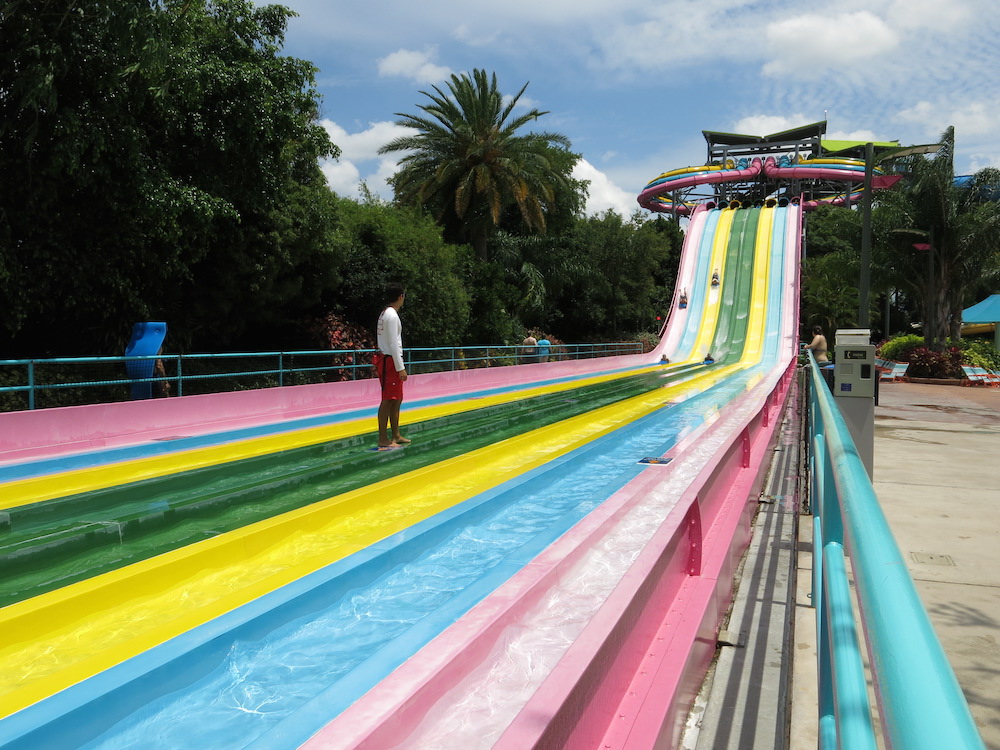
point(980, 353)
point(925, 363)
point(899, 348)
point(648, 340)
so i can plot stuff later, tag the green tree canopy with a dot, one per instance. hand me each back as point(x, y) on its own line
point(468, 164)
point(830, 269)
point(618, 279)
point(960, 220)
point(381, 243)
point(160, 162)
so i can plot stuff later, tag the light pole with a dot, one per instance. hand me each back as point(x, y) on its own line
point(866, 237)
point(930, 307)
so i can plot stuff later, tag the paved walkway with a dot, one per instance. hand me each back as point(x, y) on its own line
point(937, 476)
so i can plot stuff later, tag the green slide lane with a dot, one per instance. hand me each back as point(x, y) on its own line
point(731, 328)
point(61, 541)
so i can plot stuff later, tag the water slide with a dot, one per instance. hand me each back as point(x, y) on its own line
point(543, 567)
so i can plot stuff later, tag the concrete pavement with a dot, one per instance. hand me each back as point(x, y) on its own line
point(937, 477)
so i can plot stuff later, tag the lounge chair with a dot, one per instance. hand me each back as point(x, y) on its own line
point(896, 375)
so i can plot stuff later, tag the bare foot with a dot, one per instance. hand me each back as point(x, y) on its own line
point(400, 440)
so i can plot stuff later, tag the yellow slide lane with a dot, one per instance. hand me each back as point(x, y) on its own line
point(756, 323)
point(720, 245)
point(48, 487)
point(62, 637)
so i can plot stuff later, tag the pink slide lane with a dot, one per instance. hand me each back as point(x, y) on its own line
point(44, 433)
point(673, 327)
point(608, 632)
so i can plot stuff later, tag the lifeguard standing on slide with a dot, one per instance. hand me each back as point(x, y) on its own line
point(388, 362)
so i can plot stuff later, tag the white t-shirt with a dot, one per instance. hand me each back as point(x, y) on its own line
point(389, 334)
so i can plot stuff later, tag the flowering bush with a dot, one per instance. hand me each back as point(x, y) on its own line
point(340, 335)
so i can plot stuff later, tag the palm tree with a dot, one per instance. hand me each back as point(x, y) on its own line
point(467, 164)
point(960, 223)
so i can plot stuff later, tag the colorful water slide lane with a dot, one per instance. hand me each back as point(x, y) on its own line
point(174, 567)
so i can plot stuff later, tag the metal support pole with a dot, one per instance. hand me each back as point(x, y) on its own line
point(932, 292)
point(866, 238)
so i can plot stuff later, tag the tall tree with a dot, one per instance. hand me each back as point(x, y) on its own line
point(830, 269)
point(620, 279)
point(381, 243)
point(960, 222)
point(159, 162)
point(467, 162)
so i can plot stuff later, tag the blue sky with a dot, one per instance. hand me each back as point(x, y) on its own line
point(632, 84)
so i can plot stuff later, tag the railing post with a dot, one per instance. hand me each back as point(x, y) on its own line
point(180, 375)
point(281, 369)
point(31, 384)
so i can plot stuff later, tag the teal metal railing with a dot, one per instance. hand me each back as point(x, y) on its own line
point(920, 702)
point(67, 381)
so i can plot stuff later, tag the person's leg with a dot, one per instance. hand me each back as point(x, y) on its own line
point(385, 410)
point(394, 421)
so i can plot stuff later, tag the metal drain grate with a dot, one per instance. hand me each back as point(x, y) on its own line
point(931, 558)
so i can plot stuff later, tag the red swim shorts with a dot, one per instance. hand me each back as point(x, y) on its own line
point(392, 386)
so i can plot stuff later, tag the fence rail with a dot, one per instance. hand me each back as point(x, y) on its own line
point(921, 704)
point(69, 381)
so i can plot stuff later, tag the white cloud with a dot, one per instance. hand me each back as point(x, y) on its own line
point(767, 124)
point(602, 192)
point(855, 135)
point(525, 102)
point(928, 14)
point(971, 119)
point(981, 161)
point(364, 145)
point(342, 176)
point(359, 159)
point(802, 45)
point(416, 66)
point(679, 34)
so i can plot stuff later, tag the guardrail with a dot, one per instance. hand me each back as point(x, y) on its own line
point(68, 381)
point(920, 702)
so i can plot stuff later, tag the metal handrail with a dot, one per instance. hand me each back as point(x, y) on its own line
point(920, 702)
point(180, 370)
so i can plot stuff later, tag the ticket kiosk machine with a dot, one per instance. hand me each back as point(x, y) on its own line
point(854, 381)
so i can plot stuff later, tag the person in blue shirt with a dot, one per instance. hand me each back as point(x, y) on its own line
point(544, 346)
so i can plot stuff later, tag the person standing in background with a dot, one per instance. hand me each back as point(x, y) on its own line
point(528, 348)
point(544, 346)
point(818, 345)
point(388, 363)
